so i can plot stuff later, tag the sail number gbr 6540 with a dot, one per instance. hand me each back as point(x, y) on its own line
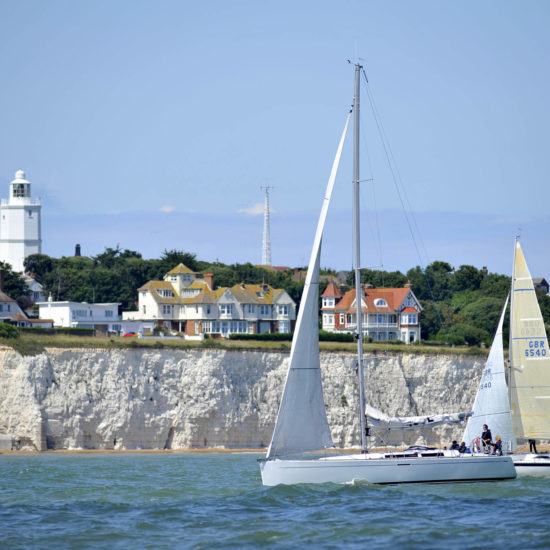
point(536, 349)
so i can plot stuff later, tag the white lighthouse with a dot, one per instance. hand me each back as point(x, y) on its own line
point(20, 230)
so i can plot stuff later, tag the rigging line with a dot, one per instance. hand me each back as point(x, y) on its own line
point(373, 188)
point(393, 170)
point(392, 164)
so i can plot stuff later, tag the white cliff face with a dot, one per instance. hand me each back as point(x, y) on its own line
point(159, 399)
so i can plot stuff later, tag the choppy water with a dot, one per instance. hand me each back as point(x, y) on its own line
point(217, 500)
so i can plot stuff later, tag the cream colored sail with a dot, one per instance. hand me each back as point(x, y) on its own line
point(301, 423)
point(529, 357)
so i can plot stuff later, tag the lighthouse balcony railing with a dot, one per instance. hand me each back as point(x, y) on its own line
point(20, 201)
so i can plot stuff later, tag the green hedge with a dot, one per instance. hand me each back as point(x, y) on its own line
point(287, 337)
point(62, 330)
point(8, 331)
point(268, 336)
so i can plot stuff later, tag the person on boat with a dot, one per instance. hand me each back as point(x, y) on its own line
point(497, 446)
point(454, 446)
point(533, 446)
point(486, 438)
point(462, 448)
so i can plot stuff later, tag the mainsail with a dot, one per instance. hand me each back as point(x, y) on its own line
point(491, 405)
point(302, 419)
point(529, 357)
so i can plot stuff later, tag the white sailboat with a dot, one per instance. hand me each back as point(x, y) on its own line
point(302, 425)
point(491, 404)
point(529, 369)
point(521, 409)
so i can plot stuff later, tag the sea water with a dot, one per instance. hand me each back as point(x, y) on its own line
point(217, 500)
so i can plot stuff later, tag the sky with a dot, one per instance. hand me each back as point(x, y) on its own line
point(154, 126)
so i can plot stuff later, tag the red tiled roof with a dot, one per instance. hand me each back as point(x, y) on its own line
point(409, 310)
point(332, 291)
point(392, 296)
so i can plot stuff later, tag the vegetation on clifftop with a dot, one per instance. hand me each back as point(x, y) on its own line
point(461, 306)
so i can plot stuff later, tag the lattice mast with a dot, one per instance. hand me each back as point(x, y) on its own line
point(266, 245)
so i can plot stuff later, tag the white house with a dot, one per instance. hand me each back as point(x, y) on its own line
point(386, 313)
point(101, 317)
point(187, 303)
point(20, 229)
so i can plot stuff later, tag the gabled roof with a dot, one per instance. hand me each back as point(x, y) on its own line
point(332, 291)
point(393, 297)
point(253, 294)
point(180, 268)
point(5, 298)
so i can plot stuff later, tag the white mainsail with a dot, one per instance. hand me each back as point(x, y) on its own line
point(301, 423)
point(491, 405)
point(529, 357)
point(378, 419)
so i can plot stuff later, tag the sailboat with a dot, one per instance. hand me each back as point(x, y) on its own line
point(491, 404)
point(521, 409)
point(302, 428)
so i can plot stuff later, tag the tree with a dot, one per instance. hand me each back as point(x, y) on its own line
point(467, 277)
point(15, 286)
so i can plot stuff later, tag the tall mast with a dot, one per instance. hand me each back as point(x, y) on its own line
point(510, 355)
point(266, 244)
point(358, 292)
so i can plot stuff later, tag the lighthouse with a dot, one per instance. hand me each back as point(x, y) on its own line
point(20, 231)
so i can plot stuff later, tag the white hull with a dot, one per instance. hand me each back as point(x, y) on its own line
point(532, 464)
point(378, 469)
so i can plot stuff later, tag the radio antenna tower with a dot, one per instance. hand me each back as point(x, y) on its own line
point(266, 245)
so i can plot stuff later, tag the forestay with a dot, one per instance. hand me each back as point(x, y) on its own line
point(301, 423)
point(529, 357)
point(492, 405)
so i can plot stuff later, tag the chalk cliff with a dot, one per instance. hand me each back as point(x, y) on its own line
point(170, 399)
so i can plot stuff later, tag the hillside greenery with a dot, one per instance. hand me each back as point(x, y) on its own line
point(460, 306)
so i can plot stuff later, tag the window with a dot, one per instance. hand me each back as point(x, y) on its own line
point(225, 309)
point(1, 307)
point(341, 318)
point(108, 313)
point(283, 309)
point(264, 310)
point(251, 308)
point(187, 277)
point(144, 309)
point(380, 302)
point(328, 302)
point(173, 278)
point(409, 319)
point(29, 212)
point(166, 310)
point(284, 326)
point(207, 310)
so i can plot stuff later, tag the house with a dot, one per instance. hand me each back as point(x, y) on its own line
point(186, 302)
point(101, 317)
point(9, 308)
point(541, 284)
point(387, 313)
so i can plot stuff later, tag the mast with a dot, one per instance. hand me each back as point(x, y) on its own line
point(510, 355)
point(358, 292)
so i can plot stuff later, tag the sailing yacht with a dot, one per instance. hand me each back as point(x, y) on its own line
point(521, 409)
point(302, 426)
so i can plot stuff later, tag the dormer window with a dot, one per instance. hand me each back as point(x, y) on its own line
point(380, 302)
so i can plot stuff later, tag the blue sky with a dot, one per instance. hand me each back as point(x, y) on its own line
point(153, 125)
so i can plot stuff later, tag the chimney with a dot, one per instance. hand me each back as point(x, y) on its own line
point(77, 250)
point(408, 284)
point(209, 278)
point(368, 285)
point(1, 280)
